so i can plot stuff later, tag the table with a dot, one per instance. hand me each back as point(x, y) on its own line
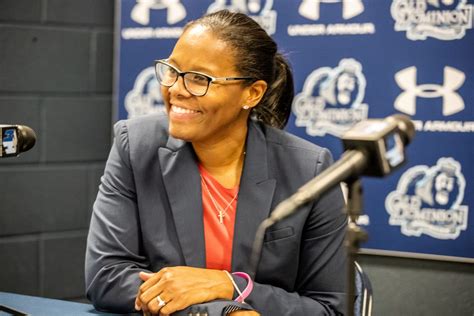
point(39, 306)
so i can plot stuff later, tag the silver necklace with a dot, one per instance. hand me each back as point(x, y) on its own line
point(221, 212)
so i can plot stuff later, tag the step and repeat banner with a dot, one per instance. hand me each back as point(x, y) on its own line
point(353, 60)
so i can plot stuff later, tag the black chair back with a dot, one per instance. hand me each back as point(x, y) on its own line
point(364, 298)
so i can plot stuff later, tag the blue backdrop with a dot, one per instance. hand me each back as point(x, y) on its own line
point(352, 60)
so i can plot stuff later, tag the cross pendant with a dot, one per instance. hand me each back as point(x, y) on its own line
point(221, 217)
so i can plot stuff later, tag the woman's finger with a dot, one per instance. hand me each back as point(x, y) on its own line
point(138, 305)
point(152, 292)
point(152, 280)
point(145, 276)
point(156, 305)
point(172, 306)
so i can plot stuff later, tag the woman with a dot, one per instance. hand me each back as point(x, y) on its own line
point(183, 194)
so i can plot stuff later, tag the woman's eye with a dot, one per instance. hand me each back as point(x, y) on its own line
point(198, 78)
point(171, 71)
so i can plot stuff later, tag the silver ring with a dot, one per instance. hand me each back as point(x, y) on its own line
point(161, 303)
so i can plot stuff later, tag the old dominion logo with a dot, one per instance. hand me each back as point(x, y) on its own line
point(145, 97)
point(428, 201)
point(440, 19)
point(332, 99)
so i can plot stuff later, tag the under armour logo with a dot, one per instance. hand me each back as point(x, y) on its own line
point(350, 8)
point(141, 12)
point(452, 101)
point(244, 6)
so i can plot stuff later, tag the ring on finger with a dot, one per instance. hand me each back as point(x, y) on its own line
point(160, 301)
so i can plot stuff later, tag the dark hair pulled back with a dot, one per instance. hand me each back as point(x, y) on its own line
point(256, 56)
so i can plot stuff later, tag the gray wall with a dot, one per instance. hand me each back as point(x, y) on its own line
point(405, 286)
point(55, 76)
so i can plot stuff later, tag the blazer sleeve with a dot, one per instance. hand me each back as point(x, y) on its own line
point(113, 257)
point(320, 288)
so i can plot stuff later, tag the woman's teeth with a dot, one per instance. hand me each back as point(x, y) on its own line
point(178, 109)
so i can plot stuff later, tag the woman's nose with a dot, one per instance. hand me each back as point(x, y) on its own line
point(178, 88)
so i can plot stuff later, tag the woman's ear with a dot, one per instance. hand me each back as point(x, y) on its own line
point(254, 93)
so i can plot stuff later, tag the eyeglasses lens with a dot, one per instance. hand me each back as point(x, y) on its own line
point(195, 83)
point(166, 75)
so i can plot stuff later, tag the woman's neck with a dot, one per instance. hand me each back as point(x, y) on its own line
point(223, 158)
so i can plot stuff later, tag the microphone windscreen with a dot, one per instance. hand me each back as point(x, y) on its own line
point(26, 138)
point(406, 127)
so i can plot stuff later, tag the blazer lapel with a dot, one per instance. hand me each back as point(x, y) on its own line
point(254, 200)
point(182, 182)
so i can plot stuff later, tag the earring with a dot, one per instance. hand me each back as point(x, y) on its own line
point(246, 107)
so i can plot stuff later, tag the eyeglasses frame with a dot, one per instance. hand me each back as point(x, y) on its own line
point(210, 79)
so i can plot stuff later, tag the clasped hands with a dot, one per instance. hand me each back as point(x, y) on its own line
point(181, 287)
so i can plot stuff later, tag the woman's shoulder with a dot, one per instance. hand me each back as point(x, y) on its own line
point(283, 138)
point(143, 124)
point(293, 157)
point(147, 130)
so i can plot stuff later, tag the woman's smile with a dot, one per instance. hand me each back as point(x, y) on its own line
point(183, 113)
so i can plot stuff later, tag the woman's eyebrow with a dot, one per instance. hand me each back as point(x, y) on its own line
point(171, 61)
point(201, 69)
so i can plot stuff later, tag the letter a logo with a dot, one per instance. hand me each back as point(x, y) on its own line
point(452, 101)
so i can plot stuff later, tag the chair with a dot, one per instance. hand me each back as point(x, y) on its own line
point(364, 298)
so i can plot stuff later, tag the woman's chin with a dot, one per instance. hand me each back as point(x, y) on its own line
point(182, 133)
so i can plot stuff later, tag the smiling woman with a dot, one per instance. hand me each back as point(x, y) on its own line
point(183, 193)
point(215, 114)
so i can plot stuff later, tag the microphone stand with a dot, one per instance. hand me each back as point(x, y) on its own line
point(354, 235)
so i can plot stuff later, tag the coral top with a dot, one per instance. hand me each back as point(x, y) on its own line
point(219, 206)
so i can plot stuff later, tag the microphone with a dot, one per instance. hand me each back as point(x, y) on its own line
point(373, 147)
point(15, 139)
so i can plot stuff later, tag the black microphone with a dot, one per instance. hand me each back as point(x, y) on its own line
point(15, 139)
point(374, 147)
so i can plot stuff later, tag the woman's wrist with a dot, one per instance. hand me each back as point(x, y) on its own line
point(236, 290)
point(227, 291)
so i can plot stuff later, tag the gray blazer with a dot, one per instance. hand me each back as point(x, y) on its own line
point(148, 215)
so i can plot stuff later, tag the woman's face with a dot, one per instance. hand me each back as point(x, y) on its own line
point(218, 114)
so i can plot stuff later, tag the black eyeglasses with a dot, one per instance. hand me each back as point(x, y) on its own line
point(195, 82)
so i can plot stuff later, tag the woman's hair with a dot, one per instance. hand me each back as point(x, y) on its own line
point(256, 56)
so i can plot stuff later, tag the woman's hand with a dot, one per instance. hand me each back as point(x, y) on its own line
point(180, 287)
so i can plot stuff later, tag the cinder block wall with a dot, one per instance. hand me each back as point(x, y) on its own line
point(56, 77)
